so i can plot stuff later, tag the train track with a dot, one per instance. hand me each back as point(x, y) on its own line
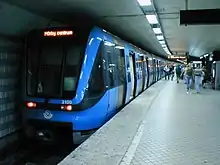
point(35, 153)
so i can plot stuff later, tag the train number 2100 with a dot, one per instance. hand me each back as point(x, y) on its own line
point(66, 101)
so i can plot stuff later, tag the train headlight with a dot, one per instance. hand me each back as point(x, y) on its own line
point(68, 107)
point(31, 104)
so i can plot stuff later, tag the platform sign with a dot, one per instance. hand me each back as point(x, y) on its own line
point(177, 57)
point(55, 33)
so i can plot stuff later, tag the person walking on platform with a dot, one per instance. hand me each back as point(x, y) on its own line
point(166, 70)
point(198, 73)
point(171, 72)
point(178, 73)
point(188, 75)
point(205, 76)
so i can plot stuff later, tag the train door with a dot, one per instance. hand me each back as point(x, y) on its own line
point(128, 71)
point(154, 70)
point(138, 75)
point(132, 71)
point(150, 67)
point(158, 69)
point(119, 61)
point(147, 73)
point(143, 70)
point(110, 78)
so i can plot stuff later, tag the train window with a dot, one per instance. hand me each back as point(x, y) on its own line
point(72, 68)
point(54, 59)
point(49, 69)
point(73, 55)
point(96, 83)
point(52, 54)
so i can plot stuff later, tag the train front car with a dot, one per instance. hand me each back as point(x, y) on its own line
point(64, 83)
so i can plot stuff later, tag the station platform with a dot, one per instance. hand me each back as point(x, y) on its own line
point(163, 126)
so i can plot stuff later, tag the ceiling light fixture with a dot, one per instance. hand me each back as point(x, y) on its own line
point(144, 2)
point(157, 30)
point(160, 37)
point(162, 42)
point(152, 19)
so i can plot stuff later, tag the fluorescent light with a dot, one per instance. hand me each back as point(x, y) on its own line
point(201, 57)
point(162, 42)
point(119, 47)
point(160, 37)
point(163, 45)
point(144, 2)
point(152, 19)
point(109, 44)
point(157, 30)
point(166, 50)
point(197, 62)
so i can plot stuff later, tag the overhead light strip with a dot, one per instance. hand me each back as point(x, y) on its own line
point(157, 30)
point(144, 2)
point(160, 37)
point(153, 20)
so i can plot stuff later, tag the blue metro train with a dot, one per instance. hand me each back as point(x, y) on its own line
point(81, 78)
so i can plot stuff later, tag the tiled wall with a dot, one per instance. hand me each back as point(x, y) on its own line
point(10, 88)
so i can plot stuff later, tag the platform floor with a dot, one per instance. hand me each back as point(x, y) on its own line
point(163, 126)
point(179, 129)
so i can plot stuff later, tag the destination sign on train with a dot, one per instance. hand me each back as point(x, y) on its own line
point(58, 33)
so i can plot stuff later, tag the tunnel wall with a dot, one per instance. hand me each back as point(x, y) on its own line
point(16, 22)
point(10, 121)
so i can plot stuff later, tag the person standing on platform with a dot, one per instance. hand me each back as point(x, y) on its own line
point(178, 73)
point(205, 76)
point(188, 75)
point(171, 72)
point(198, 73)
point(166, 70)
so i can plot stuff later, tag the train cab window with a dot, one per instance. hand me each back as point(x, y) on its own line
point(54, 59)
point(72, 68)
point(49, 69)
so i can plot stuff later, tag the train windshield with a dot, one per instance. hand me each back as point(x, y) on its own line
point(53, 66)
